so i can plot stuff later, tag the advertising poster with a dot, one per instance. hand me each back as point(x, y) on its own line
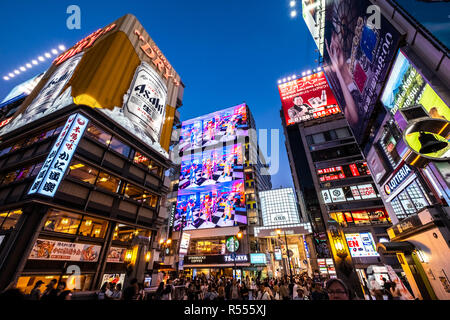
point(406, 295)
point(307, 98)
point(146, 101)
point(214, 128)
point(116, 255)
point(361, 244)
point(212, 206)
point(184, 243)
point(212, 167)
point(46, 101)
point(406, 88)
point(115, 278)
point(357, 56)
point(65, 251)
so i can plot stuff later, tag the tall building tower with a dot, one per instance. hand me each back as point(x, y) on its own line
point(331, 175)
point(217, 192)
point(82, 164)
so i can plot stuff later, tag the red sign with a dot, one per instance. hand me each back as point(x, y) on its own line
point(83, 44)
point(307, 98)
point(5, 122)
point(354, 170)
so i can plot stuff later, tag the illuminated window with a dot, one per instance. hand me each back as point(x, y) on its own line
point(120, 147)
point(8, 220)
point(10, 177)
point(126, 233)
point(98, 134)
point(360, 217)
point(150, 165)
point(92, 227)
point(83, 172)
point(140, 195)
point(62, 221)
point(108, 182)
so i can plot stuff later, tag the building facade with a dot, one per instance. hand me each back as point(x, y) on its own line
point(217, 189)
point(82, 195)
point(398, 108)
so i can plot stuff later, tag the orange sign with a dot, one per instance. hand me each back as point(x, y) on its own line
point(83, 44)
point(158, 59)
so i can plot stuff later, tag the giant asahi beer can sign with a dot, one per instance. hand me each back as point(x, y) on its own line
point(146, 102)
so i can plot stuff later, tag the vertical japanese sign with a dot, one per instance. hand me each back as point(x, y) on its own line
point(54, 167)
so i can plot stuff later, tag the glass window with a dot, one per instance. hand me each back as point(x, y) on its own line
point(11, 220)
point(120, 147)
point(23, 173)
point(10, 177)
point(398, 209)
point(108, 182)
point(5, 151)
point(83, 172)
point(36, 169)
point(318, 138)
point(133, 192)
point(361, 217)
point(126, 233)
point(92, 227)
point(416, 196)
point(406, 202)
point(342, 133)
point(62, 221)
point(339, 217)
point(150, 199)
point(98, 134)
point(18, 145)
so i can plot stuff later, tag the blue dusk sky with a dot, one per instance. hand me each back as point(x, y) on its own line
point(226, 52)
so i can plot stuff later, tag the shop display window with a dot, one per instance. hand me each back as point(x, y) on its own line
point(20, 174)
point(98, 134)
point(208, 246)
point(138, 194)
point(339, 217)
point(62, 221)
point(108, 182)
point(120, 147)
point(92, 227)
point(8, 221)
point(83, 172)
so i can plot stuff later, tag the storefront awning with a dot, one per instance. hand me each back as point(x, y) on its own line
point(394, 247)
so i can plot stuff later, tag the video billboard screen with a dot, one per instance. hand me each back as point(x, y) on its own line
point(307, 98)
point(214, 128)
point(211, 206)
point(212, 167)
point(357, 57)
point(406, 88)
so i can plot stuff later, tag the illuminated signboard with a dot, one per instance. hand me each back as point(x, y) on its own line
point(184, 243)
point(342, 172)
point(397, 179)
point(116, 255)
point(212, 206)
point(307, 98)
point(58, 160)
point(212, 167)
point(406, 87)
point(119, 71)
point(357, 56)
point(214, 128)
point(277, 254)
point(349, 193)
point(22, 89)
point(64, 251)
point(258, 258)
point(232, 244)
point(361, 244)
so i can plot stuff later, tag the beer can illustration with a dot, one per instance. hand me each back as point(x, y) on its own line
point(146, 102)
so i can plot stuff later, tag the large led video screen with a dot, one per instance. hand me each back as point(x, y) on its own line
point(211, 206)
point(406, 87)
point(307, 98)
point(211, 167)
point(357, 57)
point(214, 128)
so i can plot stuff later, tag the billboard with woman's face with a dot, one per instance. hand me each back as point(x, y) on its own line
point(359, 47)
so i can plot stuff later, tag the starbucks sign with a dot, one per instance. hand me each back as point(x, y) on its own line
point(232, 244)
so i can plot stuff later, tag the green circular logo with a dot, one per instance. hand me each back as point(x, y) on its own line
point(232, 244)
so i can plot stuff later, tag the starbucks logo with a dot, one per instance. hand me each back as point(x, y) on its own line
point(232, 244)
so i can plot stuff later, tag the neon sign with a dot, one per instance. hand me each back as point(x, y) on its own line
point(83, 44)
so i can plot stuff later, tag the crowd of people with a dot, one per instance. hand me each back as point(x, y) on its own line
point(301, 287)
point(221, 288)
